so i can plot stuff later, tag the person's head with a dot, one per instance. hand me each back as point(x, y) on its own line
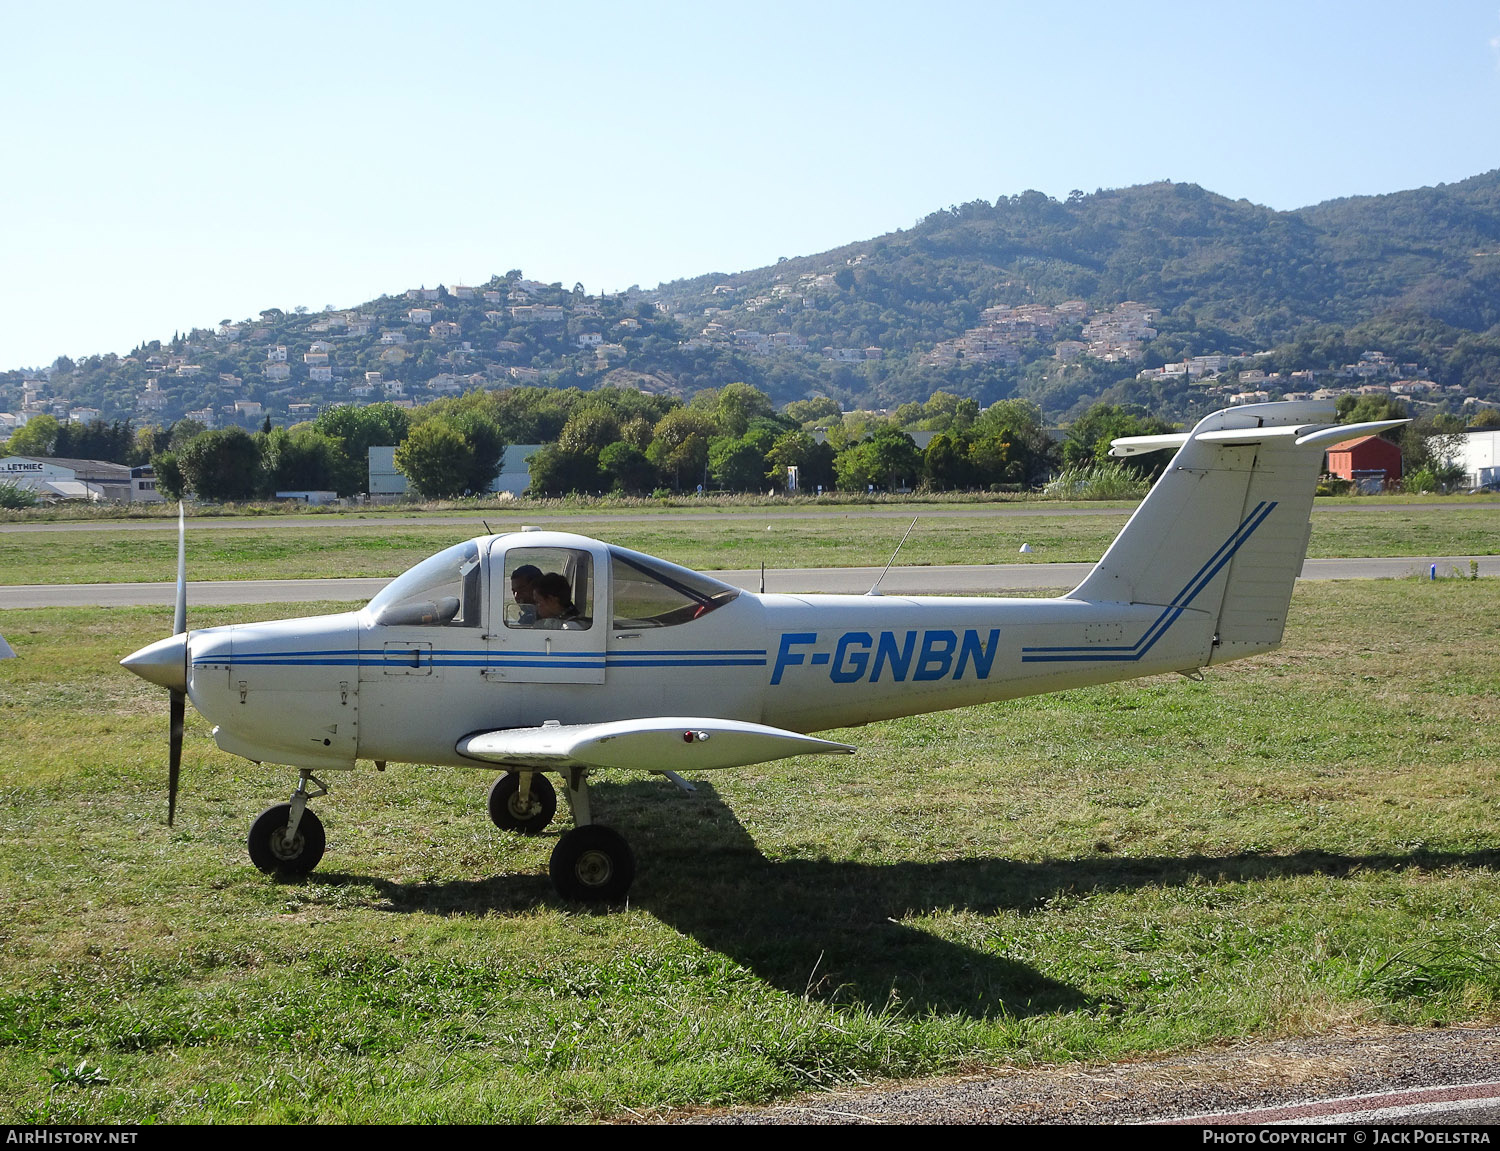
point(523, 583)
point(554, 596)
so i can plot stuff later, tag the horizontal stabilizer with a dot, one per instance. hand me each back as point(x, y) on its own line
point(1341, 432)
point(1145, 445)
point(1300, 434)
point(677, 743)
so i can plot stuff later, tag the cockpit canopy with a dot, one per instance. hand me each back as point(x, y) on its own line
point(644, 592)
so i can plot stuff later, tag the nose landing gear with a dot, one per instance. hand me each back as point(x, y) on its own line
point(287, 839)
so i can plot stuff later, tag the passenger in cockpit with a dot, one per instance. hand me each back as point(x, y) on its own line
point(554, 604)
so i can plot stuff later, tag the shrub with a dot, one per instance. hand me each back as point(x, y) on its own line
point(1099, 482)
point(13, 495)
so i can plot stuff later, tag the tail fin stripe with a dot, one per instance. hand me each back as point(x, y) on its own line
point(1169, 615)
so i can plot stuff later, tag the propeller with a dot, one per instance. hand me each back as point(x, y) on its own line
point(165, 663)
point(178, 697)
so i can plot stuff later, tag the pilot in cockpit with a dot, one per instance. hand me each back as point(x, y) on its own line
point(523, 588)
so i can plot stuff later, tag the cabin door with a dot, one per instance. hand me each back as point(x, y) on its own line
point(531, 642)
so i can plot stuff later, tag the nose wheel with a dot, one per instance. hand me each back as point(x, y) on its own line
point(288, 839)
point(278, 848)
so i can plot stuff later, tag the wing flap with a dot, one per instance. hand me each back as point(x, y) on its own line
point(679, 743)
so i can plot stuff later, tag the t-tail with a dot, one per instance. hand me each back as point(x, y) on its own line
point(1224, 531)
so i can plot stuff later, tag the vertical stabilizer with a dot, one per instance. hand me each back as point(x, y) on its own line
point(1225, 529)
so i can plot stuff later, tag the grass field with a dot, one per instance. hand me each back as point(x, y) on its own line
point(1304, 839)
point(735, 539)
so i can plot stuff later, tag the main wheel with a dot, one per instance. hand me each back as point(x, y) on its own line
point(529, 818)
point(592, 864)
point(271, 850)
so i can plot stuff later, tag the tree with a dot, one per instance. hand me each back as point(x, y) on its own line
point(356, 430)
point(1090, 436)
point(734, 406)
point(555, 472)
point(1368, 409)
point(1009, 444)
point(169, 479)
point(98, 440)
point(813, 461)
point(889, 459)
point(736, 463)
point(679, 447)
point(302, 460)
point(37, 438)
point(810, 411)
point(591, 428)
point(487, 446)
point(945, 464)
point(184, 432)
point(627, 468)
point(222, 465)
point(436, 459)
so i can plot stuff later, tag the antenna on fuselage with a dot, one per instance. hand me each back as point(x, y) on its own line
point(875, 587)
point(762, 577)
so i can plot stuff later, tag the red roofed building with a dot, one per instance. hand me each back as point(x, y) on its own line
point(1365, 458)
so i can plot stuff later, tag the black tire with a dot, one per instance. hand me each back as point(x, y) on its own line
point(592, 864)
point(505, 807)
point(269, 850)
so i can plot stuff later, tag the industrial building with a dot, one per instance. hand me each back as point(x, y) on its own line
point(53, 478)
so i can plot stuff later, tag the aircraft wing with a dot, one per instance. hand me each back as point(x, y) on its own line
point(670, 743)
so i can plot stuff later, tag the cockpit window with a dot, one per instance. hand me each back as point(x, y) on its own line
point(439, 592)
point(549, 588)
point(652, 593)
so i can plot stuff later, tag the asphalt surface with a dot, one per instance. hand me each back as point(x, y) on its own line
point(959, 579)
point(1419, 1077)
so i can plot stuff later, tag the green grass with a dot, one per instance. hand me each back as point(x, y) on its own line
point(730, 539)
point(1305, 839)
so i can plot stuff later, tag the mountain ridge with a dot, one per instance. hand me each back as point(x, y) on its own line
point(940, 305)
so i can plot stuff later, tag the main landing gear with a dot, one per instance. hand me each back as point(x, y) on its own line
point(522, 801)
point(591, 863)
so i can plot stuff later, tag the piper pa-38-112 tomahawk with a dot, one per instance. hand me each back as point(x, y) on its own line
point(620, 661)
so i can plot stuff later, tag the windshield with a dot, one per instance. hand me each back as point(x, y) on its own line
point(439, 592)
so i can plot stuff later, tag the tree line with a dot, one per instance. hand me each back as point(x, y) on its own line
point(627, 442)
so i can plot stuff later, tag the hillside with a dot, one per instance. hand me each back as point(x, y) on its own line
point(1057, 301)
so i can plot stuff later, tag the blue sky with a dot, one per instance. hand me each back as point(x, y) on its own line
point(170, 165)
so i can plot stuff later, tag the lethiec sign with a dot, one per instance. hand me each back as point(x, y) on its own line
point(16, 467)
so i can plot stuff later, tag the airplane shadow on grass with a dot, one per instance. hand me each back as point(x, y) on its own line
point(832, 929)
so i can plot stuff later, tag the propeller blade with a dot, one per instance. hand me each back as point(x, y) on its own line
point(179, 698)
point(174, 757)
point(179, 613)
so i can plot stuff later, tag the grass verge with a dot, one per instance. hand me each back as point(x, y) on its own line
point(351, 546)
point(1304, 839)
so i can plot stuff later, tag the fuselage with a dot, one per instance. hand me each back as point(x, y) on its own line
point(445, 653)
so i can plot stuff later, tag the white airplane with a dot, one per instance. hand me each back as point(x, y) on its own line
point(666, 670)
